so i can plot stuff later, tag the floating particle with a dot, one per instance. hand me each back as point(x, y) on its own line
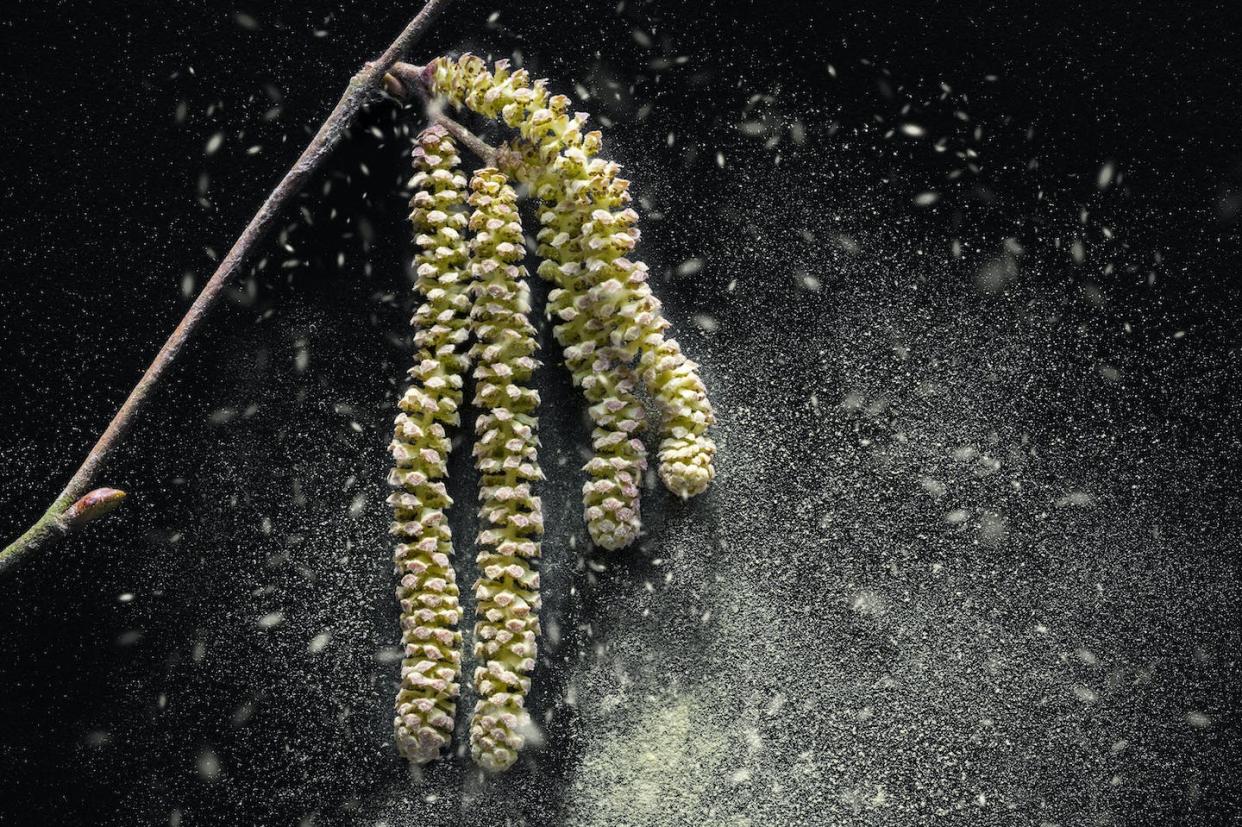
point(221, 416)
point(926, 199)
point(1085, 694)
point(1080, 499)
point(271, 620)
point(707, 324)
point(869, 603)
point(808, 282)
point(388, 654)
point(214, 143)
point(1198, 720)
point(965, 453)
point(1105, 176)
point(913, 130)
point(319, 642)
point(1088, 657)
point(957, 516)
point(126, 597)
point(993, 528)
point(720, 160)
point(208, 765)
point(242, 714)
point(689, 267)
point(301, 359)
point(843, 242)
point(246, 21)
point(995, 275)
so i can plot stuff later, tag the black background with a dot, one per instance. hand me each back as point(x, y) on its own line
point(256, 474)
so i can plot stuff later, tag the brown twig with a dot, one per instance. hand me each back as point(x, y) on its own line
point(63, 515)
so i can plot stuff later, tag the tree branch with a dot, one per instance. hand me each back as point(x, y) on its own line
point(74, 506)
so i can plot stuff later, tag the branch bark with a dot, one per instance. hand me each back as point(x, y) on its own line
point(60, 518)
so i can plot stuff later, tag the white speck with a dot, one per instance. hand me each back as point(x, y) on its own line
point(271, 620)
point(388, 654)
point(1076, 498)
point(208, 765)
point(1084, 693)
point(690, 266)
point(1198, 720)
point(707, 324)
point(1106, 175)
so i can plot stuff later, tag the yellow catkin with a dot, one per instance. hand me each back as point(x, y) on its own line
point(554, 156)
point(427, 591)
point(506, 454)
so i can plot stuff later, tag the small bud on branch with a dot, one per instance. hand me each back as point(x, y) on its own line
point(92, 506)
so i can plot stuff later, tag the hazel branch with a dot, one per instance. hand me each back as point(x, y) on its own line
point(362, 88)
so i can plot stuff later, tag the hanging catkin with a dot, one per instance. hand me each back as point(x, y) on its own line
point(506, 454)
point(427, 592)
point(557, 160)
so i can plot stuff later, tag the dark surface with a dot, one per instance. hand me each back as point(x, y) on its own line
point(972, 552)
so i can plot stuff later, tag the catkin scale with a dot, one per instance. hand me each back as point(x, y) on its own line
point(427, 591)
point(506, 454)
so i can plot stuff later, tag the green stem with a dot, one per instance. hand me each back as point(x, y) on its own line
point(48, 527)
